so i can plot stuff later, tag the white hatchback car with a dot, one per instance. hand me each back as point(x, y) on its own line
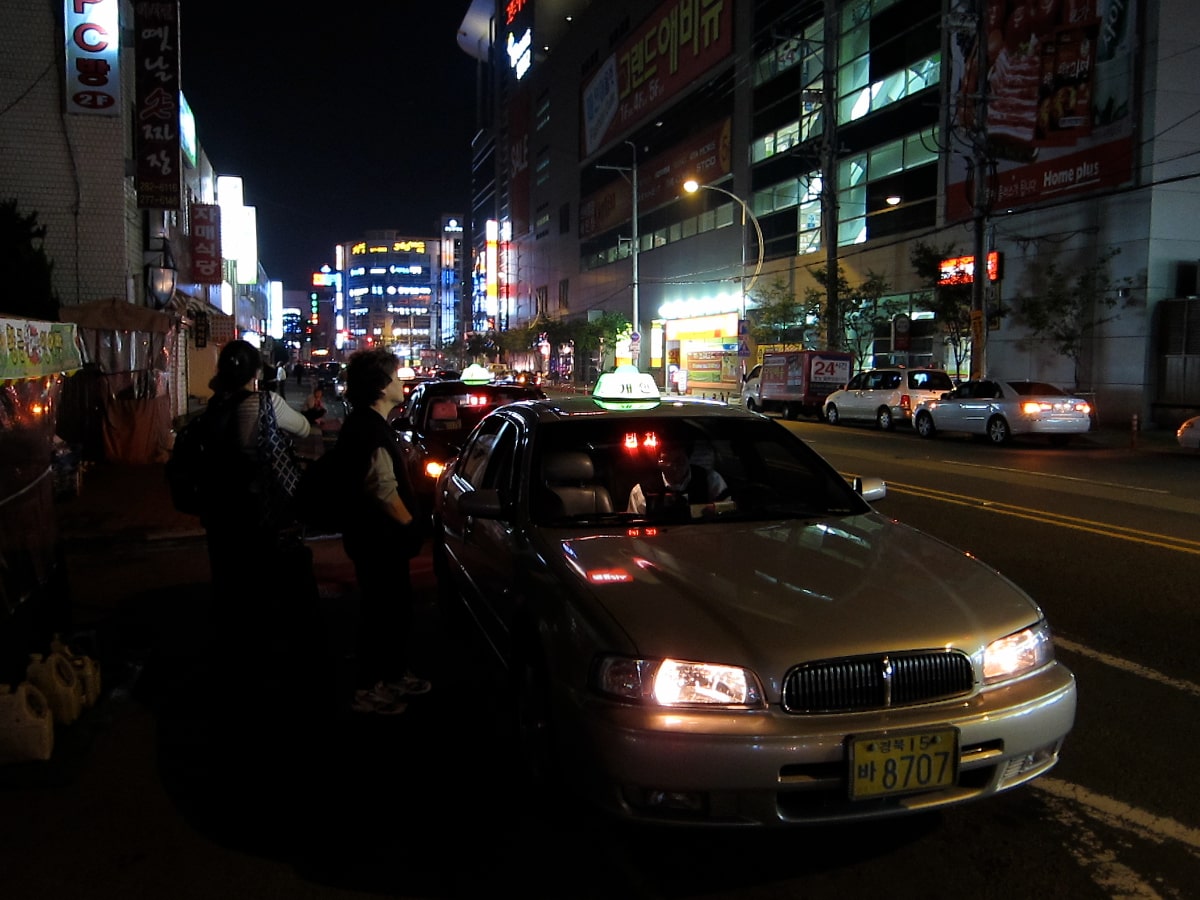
point(885, 396)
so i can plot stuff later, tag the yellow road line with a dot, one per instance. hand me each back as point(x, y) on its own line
point(1104, 529)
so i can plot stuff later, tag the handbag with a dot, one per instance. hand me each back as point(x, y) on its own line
point(279, 458)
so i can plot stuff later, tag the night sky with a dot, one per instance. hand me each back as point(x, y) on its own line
point(339, 118)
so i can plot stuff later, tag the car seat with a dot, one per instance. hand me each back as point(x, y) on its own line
point(569, 478)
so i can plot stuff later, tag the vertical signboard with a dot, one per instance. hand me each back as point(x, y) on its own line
point(156, 110)
point(1060, 98)
point(93, 44)
point(205, 236)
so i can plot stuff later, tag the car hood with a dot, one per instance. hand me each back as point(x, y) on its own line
point(772, 594)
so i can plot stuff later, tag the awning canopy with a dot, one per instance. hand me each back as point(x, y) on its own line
point(115, 314)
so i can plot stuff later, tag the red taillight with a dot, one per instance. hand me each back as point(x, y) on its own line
point(905, 401)
point(608, 576)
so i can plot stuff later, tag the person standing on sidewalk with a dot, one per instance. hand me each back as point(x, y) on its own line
point(257, 560)
point(381, 535)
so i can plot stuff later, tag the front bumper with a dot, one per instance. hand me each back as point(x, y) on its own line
point(772, 768)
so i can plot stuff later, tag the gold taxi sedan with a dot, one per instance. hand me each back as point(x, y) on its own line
point(687, 598)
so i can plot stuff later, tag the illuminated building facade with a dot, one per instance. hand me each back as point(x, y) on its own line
point(844, 131)
point(390, 284)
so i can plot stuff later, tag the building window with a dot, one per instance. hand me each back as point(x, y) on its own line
point(563, 295)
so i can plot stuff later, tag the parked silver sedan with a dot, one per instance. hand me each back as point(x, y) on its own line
point(1188, 434)
point(688, 601)
point(1000, 409)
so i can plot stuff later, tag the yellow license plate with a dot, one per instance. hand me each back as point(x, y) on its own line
point(902, 762)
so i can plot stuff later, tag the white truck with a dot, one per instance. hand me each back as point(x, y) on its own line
point(795, 382)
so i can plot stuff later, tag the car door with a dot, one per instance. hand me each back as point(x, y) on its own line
point(970, 409)
point(862, 401)
point(483, 554)
point(851, 397)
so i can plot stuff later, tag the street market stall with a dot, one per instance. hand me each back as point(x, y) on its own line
point(35, 357)
point(126, 350)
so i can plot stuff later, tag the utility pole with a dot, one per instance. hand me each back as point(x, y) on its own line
point(835, 339)
point(636, 347)
point(631, 174)
point(980, 167)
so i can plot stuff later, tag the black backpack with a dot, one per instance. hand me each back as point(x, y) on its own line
point(204, 450)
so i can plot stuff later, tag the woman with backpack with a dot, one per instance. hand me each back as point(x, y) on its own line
point(261, 570)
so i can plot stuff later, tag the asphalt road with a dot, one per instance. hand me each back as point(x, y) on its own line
point(174, 786)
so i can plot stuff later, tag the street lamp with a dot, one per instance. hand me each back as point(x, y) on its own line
point(692, 186)
point(161, 275)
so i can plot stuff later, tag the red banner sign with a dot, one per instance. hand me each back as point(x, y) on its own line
point(205, 235)
point(156, 116)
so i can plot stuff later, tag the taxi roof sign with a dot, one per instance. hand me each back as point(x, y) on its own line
point(475, 374)
point(626, 388)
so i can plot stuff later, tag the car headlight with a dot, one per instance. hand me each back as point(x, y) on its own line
point(674, 682)
point(1018, 654)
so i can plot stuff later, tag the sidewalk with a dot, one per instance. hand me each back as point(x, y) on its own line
point(169, 787)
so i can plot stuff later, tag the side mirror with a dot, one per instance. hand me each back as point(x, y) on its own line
point(870, 488)
point(482, 504)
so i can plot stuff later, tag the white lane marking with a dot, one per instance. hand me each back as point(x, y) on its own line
point(1100, 863)
point(1092, 481)
point(1125, 665)
point(1119, 814)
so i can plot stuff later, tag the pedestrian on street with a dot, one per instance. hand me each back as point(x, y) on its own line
point(281, 379)
point(257, 560)
point(381, 535)
point(314, 405)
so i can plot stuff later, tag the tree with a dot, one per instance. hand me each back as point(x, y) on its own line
point(600, 335)
point(480, 344)
point(778, 317)
point(950, 303)
point(864, 309)
point(29, 287)
point(1064, 310)
point(515, 340)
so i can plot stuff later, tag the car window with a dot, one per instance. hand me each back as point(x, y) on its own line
point(890, 381)
point(768, 471)
point(472, 403)
point(856, 383)
point(929, 381)
point(475, 455)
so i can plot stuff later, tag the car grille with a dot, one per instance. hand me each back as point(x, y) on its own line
point(877, 682)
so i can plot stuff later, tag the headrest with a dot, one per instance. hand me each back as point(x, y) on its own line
point(571, 465)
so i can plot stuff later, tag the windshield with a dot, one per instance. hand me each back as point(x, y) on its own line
point(671, 470)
